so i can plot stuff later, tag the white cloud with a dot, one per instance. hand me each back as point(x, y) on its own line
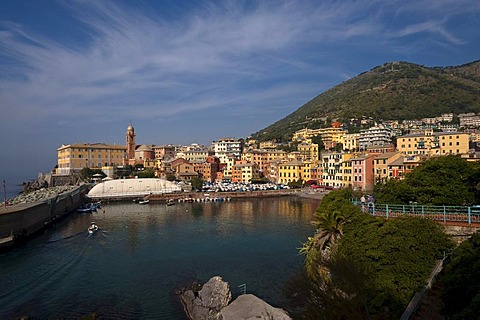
point(212, 55)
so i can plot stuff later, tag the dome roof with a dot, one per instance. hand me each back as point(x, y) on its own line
point(132, 187)
point(130, 128)
point(144, 147)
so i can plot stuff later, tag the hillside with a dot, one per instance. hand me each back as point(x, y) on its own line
point(396, 90)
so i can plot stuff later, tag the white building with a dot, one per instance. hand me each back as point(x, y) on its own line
point(227, 146)
point(375, 136)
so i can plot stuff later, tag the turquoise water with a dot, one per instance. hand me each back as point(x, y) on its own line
point(142, 254)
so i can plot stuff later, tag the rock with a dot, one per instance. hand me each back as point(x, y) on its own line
point(208, 302)
point(249, 307)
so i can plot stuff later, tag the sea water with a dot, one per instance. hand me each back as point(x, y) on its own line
point(143, 254)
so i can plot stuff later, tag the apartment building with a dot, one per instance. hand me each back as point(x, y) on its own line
point(375, 136)
point(244, 172)
point(434, 143)
point(74, 157)
point(363, 172)
point(308, 151)
point(332, 169)
point(164, 152)
point(350, 141)
point(290, 172)
point(227, 146)
point(382, 161)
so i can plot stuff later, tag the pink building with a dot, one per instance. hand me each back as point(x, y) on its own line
point(363, 172)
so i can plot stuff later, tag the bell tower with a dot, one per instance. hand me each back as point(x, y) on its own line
point(130, 143)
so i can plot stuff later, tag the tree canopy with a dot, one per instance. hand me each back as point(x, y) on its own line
point(461, 291)
point(447, 180)
point(371, 267)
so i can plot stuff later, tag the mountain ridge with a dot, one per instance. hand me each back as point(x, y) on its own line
point(394, 90)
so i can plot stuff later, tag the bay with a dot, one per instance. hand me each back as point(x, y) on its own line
point(143, 254)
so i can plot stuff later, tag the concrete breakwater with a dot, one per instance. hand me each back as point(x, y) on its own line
point(29, 213)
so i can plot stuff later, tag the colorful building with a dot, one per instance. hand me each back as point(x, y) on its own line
point(74, 157)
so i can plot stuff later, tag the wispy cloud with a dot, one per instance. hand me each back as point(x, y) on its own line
point(209, 57)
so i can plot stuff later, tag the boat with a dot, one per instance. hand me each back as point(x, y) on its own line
point(143, 201)
point(89, 207)
point(85, 209)
point(170, 202)
point(93, 228)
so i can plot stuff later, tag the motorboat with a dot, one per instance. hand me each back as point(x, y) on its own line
point(89, 207)
point(143, 201)
point(170, 202)
point(93, 228)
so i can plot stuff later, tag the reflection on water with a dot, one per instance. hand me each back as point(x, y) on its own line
point(132, 266)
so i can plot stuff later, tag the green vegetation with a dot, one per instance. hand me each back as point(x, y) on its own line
point(397, 90)
point(197, 183)
point(86, 174)
point(461, 291)
point(448, 180)
point(362, 267)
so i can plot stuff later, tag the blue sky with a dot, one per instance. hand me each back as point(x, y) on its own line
point(196, 71)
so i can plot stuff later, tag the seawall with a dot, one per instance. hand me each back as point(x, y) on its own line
point(20, 221)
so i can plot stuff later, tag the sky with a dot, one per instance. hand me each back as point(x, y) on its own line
point(186, 72)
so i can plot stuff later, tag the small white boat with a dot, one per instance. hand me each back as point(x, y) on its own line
point(93, 228)
point(143, 201)
point(170, 202)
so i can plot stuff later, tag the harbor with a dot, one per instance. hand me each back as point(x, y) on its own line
point(20, 219)
point(141, 255)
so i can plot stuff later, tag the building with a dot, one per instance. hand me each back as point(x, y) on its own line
point(375, 136)
point(363, 172)
point(332, 169)
point(330, 136)
point(350, 141)
point(131, 146)
point(290, 172)
point(210, 169)
point(434, 143)
point(259, 157)
point(308, 151)
point(74, 157)
point(200, 154)
point(382, 162)
point(244, 172)
point(144, 153)
point(227, 146)
point(164, 152)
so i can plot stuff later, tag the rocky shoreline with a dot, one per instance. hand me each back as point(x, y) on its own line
point(41, 194)
point(212, 302)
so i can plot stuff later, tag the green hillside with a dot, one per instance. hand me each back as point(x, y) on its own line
point(397, 90)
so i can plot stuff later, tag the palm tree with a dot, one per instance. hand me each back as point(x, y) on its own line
point(329, 227)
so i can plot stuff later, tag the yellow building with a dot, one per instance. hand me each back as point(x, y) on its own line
point(244, 172)
point(308, 151)
point(74, 157)
point(434, 143)
point(330, 136)
point(350, 141)
point(381, 165)
point(337, 169)
point(290, 172)
point(307, 170)
point(276, 155)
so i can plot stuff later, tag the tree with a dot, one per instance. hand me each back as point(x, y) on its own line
point(332, 214)
point(170, 177)
point(461, 293)
point(197, 183)
point(399, 253)
point(359, 266)
point(448, 180)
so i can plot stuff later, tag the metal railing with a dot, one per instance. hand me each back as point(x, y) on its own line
point(460, 214)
